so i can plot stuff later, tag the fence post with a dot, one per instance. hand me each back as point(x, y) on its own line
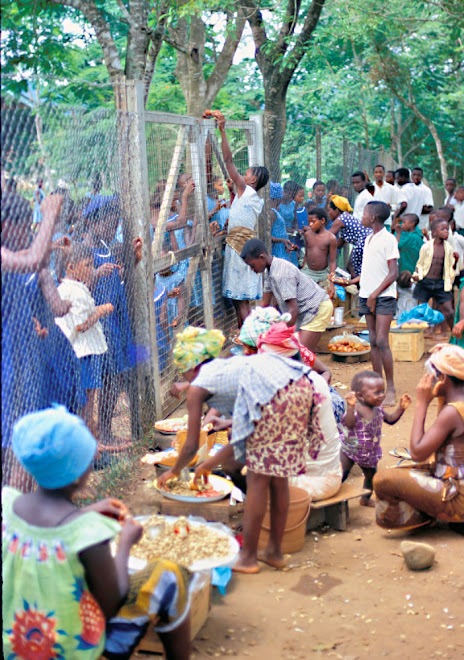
point(139, 280)
point(360, 157)
point(318, 153)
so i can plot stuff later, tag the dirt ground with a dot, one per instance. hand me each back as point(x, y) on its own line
point(347, 595)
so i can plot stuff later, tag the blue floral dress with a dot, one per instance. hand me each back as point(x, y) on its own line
point(279, 231)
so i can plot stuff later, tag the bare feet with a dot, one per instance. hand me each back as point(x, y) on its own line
point(390, 398)
point(246, 564)
point(366, 501)
point(276, 561)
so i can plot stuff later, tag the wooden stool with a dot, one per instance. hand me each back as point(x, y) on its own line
point(334, 511)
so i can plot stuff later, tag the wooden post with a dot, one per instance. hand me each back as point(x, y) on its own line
point(264, 220)
point(139, 279)
point(360, 157)
point(318, 153)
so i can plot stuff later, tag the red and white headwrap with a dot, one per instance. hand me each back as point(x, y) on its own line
point(282, 340)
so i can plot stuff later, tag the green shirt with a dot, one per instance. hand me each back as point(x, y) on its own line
point(48, 611)
point(409, 246)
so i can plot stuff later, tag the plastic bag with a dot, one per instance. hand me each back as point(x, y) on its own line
point(340, 292)
point(220, 578)
point(422, 313)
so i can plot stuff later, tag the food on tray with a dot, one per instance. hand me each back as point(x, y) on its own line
point(348, 346)
point(172, 425)
point(191, 489)
point(414, 325)
point(180, 541)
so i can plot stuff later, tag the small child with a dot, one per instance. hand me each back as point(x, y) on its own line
point(406, 300)
point(320, 250)
point(81, 325)
point(362, 426)
point(435, 271)
point(61, 583)
point(410, 240)
point(281, 245)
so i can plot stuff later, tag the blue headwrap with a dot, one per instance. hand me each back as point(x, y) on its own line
point(98, 202)
point(277, 192)
point(54, 446)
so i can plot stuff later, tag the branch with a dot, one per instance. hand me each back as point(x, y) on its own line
point(124, 11)
point(311, 20)
point(156, 41)
point(255, 19)
point(224, 60)
point(288, 25)
point(172, 42)
point(102, 31)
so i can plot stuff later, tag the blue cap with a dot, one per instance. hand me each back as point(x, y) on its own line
point(277, 192)
point(54, 446)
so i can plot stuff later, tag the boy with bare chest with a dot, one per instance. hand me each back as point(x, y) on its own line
point(320, 250)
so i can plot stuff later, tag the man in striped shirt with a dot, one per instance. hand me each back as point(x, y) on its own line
point(295, 292)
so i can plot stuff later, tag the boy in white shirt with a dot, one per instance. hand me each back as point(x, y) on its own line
point(413, 194)
point(416, 176)
point(364, 196)
point(459, 210)
point(450, 187)
point(81, 325)
point(385, 192)
point(377, 293)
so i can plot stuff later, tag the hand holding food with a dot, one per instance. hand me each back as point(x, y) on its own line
point(351, 399)
point(163, 479)
point(112, 508)
point(405, 401)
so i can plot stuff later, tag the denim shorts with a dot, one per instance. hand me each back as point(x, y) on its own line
point(384, 305)
point(427, 288)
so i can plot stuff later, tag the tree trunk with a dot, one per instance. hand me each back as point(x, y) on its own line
point(275, 121)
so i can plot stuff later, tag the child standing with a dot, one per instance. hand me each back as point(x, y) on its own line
point(281, 246)
point(61, 583)
point(320, 250)
point(240, 284)
point(81, 325)
point(362, 426)
point(410, 240)
point(435, 271)
point(377, 293)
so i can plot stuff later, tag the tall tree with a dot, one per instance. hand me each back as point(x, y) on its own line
point(202, 68)
point(279, 51)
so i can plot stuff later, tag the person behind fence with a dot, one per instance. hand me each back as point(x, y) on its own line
point(82, 326)
point(288, 204)
point(218, 207)
point(281, 246)
point(433, 488)
point(61, 583)
point(39, 197)
point(410, 241)
point(435, 271)
point(240, 284)
point(309, 306)
point(320, 251)
point(269, 399)
point(108, 288)
point(23, 369)
point(362, 426)
point(172, 279)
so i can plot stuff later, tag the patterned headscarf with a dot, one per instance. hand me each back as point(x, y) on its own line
point(277, 192)
point(195, 345)
point(448, 359)
point(341, 203)
point(259, 321)
point(282, 340)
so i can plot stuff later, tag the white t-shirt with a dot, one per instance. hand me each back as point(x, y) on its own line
point(428, 201)
point(415, 198)
point(92, 341)
point(378, 250)
point(388, 194)
point(450, 200)
point(362, 199)
point(459, 214)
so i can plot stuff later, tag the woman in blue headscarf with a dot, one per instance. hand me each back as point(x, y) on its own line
point(281, 246)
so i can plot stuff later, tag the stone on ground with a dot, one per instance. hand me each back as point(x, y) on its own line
point(418, 556)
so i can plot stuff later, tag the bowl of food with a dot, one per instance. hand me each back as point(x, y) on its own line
point(349, 345)
point(216, 489)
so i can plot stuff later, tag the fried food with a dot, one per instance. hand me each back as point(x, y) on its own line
point(179, 541)
point(347, 346)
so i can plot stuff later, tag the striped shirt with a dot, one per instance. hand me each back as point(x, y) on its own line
point(286, 282)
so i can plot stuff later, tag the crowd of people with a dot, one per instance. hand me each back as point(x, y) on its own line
point(68, 351)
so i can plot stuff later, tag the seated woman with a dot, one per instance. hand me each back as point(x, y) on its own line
point(411, 497)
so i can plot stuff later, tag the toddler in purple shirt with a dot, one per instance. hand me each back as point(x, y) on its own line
point(362, 426)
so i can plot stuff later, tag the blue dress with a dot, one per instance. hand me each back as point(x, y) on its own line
point(168, 283)
point(197, 289)
point(287, 211)
point(62, 370)
point(220, 216)
point(279, 231)
point(120, 354)
point(160, 298)
point(23, 385)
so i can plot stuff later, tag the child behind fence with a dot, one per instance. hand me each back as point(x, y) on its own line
point(82, 326)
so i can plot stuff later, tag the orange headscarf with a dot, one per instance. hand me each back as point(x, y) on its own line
point(449, 360)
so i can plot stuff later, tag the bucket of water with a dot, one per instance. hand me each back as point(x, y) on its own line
point(295, 527)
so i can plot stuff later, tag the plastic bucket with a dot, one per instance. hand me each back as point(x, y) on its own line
point(295, 527)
